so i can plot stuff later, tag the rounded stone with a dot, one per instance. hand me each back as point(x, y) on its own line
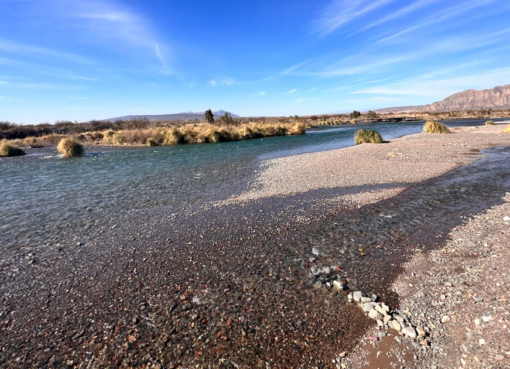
point(409, 332)
point(374, 314)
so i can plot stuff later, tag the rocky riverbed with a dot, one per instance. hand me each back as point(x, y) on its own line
point(250, 282)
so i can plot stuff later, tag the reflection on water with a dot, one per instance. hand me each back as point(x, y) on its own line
point(44, 197)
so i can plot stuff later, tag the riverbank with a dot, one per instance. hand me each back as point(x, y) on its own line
point(161, 136)
point(243, 283)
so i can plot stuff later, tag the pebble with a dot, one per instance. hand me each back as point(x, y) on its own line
point(506, 219)
point(367, 307)
point(445, 319)
point(395, 325)
point(410, 332)
point(357, 296)
point(374, 314)
point(338, 285)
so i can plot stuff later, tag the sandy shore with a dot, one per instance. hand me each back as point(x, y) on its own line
point(245, 283)
point(458, 292)
point(374, 172)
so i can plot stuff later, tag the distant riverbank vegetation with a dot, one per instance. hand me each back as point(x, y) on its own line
point(142, 131)
point(172, 135)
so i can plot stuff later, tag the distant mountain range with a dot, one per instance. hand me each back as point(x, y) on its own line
point(495, 98)
point(168, 117)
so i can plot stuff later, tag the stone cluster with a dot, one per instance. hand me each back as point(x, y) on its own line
point(382, 314)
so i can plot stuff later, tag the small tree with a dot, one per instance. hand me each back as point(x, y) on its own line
point(209, 116)
point(227, 119)
point(372, 115)
point(355, 114)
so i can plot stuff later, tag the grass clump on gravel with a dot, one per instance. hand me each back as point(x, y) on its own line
point(70, 148)
point(8, 150)
point(367, 136)
point(489, 123)
point(507, 129)
point(435, 127)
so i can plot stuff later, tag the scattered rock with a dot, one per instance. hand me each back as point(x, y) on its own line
point(357, 296)
point(409, 332)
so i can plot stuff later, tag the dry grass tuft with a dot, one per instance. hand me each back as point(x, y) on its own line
point(489, 123)
point(8, 150)
point(366, 136)
point(152, 142)
point(507, 129)
point(435, 127)
point(70, 148)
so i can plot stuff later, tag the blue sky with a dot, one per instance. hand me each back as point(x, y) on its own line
point(92, 59)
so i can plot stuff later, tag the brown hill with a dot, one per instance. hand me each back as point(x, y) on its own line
point(495, 98)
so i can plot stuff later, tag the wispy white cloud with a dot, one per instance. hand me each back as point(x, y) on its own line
point(165, 69)
point(419, 86)
point(19, 48)
point(112, 22)
point(291, 91)
point(293, 68)
point(227, 82)
point(299, 101)
point(340, 12)
point(312, 89)
point(213, 83)
point(261, 93)
point(397, 14)
point(443, 15)
point(84, 78)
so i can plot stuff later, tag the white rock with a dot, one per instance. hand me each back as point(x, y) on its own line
point(380, 309)
point(506, 219)
point(368, 306)
point(374, 314)
point(410, 332)
point(366, 299)
point(445, 319)
point(395, 325)
point(338, 285)
point(357, 296)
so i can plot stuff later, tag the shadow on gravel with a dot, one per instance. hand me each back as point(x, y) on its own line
point(231, 286)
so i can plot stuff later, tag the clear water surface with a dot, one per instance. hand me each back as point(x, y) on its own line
point(44, 197)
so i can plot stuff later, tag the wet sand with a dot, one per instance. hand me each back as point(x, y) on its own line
point(231, 284)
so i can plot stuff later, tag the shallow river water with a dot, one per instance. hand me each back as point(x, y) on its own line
point(44, 196)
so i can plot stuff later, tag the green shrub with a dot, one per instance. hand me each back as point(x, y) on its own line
point(435, 127)
point(8, 150)
point(366, 136)
point(70, 148)
point(489, 123)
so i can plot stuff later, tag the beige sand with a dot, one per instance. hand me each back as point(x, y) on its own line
point(384, 169)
